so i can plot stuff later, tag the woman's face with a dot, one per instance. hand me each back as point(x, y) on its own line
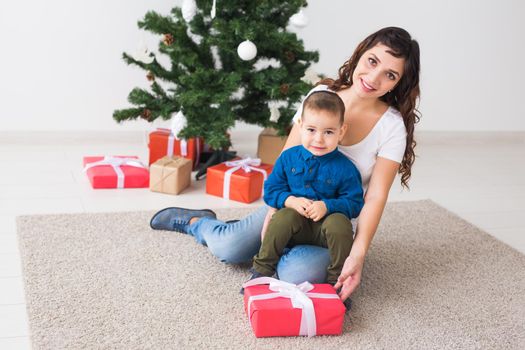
point(377, 72)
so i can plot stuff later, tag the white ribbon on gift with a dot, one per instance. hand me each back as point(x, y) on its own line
point(171, 143)
point(116, 163)
point(298, 295)
point(247, 164)
point(183, 146)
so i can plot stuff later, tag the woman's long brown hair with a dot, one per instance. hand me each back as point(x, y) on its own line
point(404, 97)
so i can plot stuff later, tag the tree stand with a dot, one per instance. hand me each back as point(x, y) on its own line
point(216, 157)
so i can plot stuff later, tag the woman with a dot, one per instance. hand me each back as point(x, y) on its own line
point(379, 86)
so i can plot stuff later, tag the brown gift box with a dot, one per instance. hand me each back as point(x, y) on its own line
point(270, 145)
point(170, 175)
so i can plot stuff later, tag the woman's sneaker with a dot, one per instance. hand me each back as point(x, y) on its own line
point(178, 219)
point(255, 274)
point(348, 304)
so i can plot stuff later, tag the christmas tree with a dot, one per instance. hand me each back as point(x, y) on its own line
point(230, 61)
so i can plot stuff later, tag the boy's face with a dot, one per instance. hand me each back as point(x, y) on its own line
point(321, 131)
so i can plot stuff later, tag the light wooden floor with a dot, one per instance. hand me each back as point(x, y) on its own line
point(479, 176)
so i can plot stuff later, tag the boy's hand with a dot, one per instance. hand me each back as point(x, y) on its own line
point(316, 210)
point(298, 203)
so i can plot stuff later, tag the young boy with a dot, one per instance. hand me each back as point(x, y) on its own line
point(316, 189)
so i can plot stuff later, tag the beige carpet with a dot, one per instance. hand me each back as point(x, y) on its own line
point(107, 281)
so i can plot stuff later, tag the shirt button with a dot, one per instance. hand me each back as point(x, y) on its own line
point(293, 170)
point(310, 171)
point(307, 185)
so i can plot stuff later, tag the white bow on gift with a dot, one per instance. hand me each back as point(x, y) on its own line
point(116, 163)
point(298, 295)
point(178, 122)
point(247, 164)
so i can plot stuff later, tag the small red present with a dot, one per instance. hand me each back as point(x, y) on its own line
point(278, 309)
point(163, 142)
point(116, 172)
point(239, 180)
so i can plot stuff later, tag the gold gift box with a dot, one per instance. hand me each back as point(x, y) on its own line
point(270, 145)
point(170, 175)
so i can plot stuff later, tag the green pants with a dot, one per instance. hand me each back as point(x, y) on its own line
point(288, 228)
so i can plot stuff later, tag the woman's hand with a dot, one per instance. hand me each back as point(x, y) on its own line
point(350, 276)
point(385, 171)
point(267, 219)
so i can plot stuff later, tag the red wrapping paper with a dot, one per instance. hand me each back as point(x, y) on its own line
point(277, 318)
point(245, 186)
point(104, 176)
point(158, 147)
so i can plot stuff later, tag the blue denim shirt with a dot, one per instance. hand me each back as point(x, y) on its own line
point(332, 178)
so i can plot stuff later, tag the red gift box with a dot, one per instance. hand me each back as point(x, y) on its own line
point(116, 172)
point(269, 304)
point(239, 180)
point(162, 143)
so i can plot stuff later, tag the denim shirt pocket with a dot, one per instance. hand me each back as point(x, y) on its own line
point(295, 175)
point(328, 184)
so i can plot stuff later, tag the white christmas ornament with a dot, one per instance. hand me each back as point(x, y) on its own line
point(189, 9)
point(310, 76)
point(143, 55)
point(299, 19)
point(247, 50)
point(178, 122)
point(275, 114)
point(274, 106)
point(213, 9)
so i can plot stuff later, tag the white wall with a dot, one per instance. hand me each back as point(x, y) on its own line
point(61, 67)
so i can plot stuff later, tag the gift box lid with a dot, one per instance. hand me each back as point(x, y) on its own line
point(222, 167)
point(104, 175)
point(280, 303)
point(92, 159)
point(171, 162)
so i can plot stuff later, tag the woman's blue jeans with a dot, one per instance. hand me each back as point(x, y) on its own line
point(238, 242)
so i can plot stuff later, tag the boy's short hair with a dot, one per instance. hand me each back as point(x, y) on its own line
point(327, 101)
